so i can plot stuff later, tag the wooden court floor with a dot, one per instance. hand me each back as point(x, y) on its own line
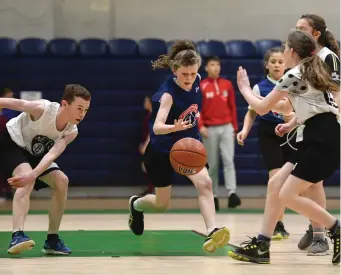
point(161, 243)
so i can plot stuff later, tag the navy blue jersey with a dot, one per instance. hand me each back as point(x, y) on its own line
point(263, 88)
point(186, 106)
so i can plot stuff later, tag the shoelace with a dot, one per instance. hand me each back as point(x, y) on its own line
point(249, 243)
point(290, 138)
point(318, 242)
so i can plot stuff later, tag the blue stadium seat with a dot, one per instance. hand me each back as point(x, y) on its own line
point(240, 49)
point(201, 46)
point(93, 47)
point(32, 47)
point(251, 160)
point(252, 177)
point(263, 45)
point(333, 180)
point(122, 47)
point(169, 45)
point(171, 42)
point(63, 47)
point(8, 46)
point(251, 146)
point(152, 47)
point(212, 48)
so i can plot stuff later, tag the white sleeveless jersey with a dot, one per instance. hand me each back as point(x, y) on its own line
point(306, 100)
point(38, 137)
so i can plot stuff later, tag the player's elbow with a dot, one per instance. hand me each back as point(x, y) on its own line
point(262, 111)
point(157, 129)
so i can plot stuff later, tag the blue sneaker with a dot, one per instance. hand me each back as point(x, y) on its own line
point(58, 248)
point(20, 242)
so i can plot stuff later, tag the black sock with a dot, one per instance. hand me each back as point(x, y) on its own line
point(19, 232)
point(263, 238)
point(52, 238)
point(333, 228)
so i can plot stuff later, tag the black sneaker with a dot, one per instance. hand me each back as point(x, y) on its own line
point(280, 232)
point(234, 201)
point(136, 222)
point(216, 204)
point(254, 251)
point(307, 239)
point(218, 238)
point(335, 239)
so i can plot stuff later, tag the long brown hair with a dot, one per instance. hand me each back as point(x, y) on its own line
point(313, 69)
point(183, 53)
point(326, 39)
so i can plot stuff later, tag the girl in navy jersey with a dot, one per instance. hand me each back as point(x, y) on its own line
point(328, 50)
point(316, 121)
point(274, 155)
point(175, 114)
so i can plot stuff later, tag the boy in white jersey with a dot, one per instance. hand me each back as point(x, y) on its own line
point(30, 145)
point(308, 87)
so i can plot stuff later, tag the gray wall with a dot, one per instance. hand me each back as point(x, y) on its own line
point(167, 19)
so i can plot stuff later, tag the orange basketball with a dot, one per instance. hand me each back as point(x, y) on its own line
point(188, 156)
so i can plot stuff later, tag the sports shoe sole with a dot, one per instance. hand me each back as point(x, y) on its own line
point(219, 239)
point(54, 252)
point(243, 258)
point(21, 247)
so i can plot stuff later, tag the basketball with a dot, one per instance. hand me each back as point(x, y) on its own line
point(188, 156)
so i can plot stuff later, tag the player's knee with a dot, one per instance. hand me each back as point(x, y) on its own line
point(274, 186)
point(285, 197)
point(62, 182)
point(25, 191)
point(204, 185)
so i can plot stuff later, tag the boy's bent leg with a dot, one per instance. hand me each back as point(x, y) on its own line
point(21, 204)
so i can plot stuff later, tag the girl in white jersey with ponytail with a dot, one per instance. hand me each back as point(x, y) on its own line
point(29, 146)
point(308, 87)
point(328, 50)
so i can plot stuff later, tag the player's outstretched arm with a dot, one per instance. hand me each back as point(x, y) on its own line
point(34, 108)
point(160, 127)
point(261, 106)
point(58, 148)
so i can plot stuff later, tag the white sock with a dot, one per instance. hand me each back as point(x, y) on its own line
point(209, 230)
point(318, 233)
point(136, 205)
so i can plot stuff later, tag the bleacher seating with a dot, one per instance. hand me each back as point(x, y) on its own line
point(119, 74)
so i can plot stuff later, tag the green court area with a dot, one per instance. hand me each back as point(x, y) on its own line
point(119, 244)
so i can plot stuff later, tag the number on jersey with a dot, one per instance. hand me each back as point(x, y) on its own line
point(330, 99)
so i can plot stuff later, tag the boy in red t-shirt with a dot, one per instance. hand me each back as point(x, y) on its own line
point(218, 126)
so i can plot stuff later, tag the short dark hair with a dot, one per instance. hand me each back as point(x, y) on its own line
point(212, 58)
point(72, 91)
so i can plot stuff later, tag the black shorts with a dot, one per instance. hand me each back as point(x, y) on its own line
point(158, 167)
point(318, 155)
point(12, 156)
point(274, 155)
